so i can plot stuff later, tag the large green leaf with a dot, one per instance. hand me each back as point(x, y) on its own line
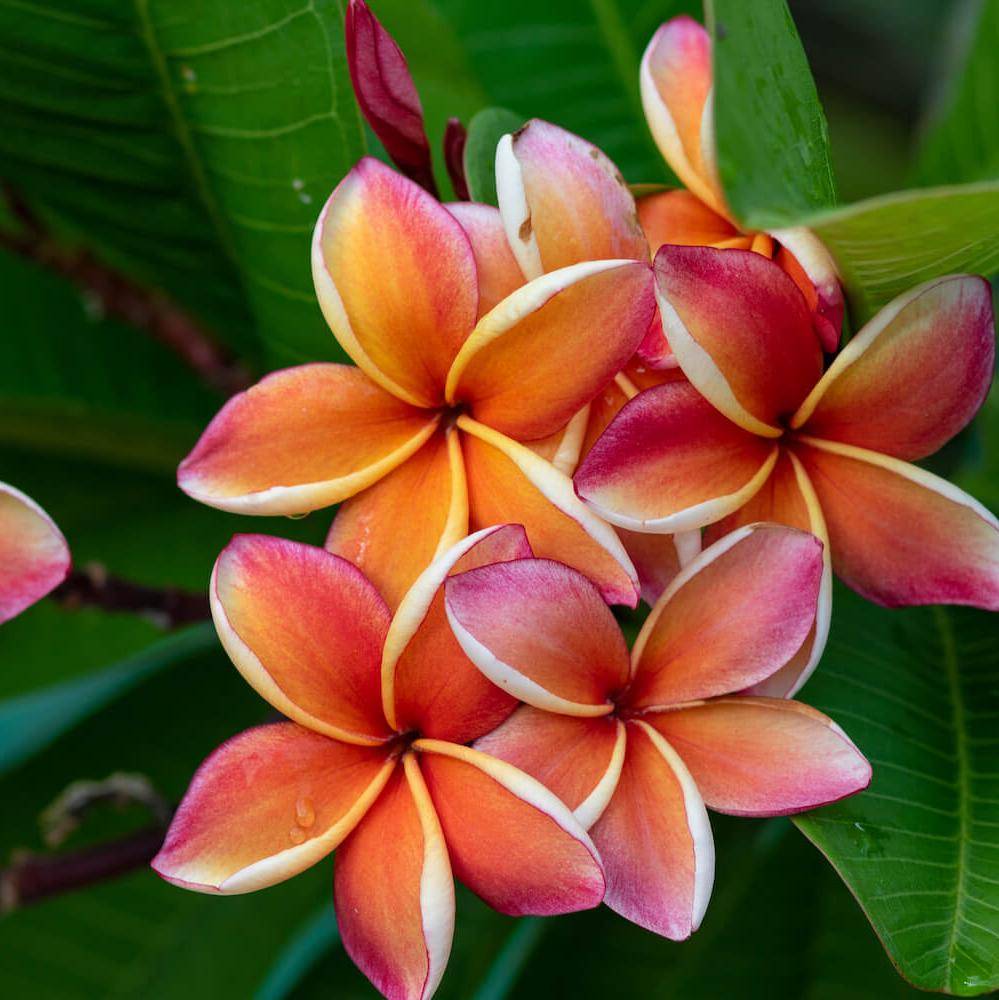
point(962, 143)
point(918, 689)
point(887, 244)
point(190, 143)
point(771, 134)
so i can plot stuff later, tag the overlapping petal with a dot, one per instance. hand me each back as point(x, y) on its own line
point(301, 439)
point(730, 619)
point(563, 201)
point(804, 257)
point(509, 484)
point(511, 841)
point(541, 631)
point(587, 319)
point(266, 805)
point(497, 268)
point(424, 502)
point(428, 684)
point(671, 462)
point(658, 558)
point(741, 331)
point(655, 840)
point(913, 376)
point(681, 218)
point(306, 629)
point(900, 535)
point(34, 556)
point(396, 278)
point(763, 756)
point(394, 891)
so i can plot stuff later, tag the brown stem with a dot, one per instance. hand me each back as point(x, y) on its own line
point(118, 296)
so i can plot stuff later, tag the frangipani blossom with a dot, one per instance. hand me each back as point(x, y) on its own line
point(34, 556)
point(424, 439)
point(638, 748)
point(372, 763)
point(761, 433)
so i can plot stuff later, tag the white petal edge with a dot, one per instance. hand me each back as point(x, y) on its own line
point(515, 211)
point(592, 807)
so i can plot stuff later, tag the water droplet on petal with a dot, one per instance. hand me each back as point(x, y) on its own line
point(305, 813)
point(296, 835)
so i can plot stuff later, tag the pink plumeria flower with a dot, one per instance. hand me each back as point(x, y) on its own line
point(373, 763)
point(34, 556)
point(639, 748)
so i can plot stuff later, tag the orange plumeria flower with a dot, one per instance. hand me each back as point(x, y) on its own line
point(373, 763)
point(424, 440)
point(34, 556)
point(761, 433)
point(639, 749)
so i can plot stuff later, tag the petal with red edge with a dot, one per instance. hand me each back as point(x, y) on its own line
point(763, 756)
point(301, 439)
point(676, 81)
point(657, 558)
point(805, 258)
point(428, 684)
point(671, 462)
point(563, 201)
point(913, 376)
point(396, 528)
point(306, 629)
point(732, 617)
point(680, 217)
point(266, 805)
point(655, 840)
point(900, 535)
point(578, 759)
point(741, 331)
point(497, 268)
point(511, 841)
point(394, 891)
point(541, 631)
point(587, 319)
point(396, 280)
point(509, 484)
point(34, 556)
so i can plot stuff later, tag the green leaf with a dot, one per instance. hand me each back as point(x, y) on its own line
point(772, 138)
point(484, 131)
point(962, 142)
point(885, 245)
point(918, 690)
point(190, 144)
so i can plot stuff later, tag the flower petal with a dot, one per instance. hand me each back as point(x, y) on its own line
point(671, 462)
point(681, 218)
point(564, 447)
point(396, 280)
point(763, 756)
point(428, 684)
point(900, 535)
point(741, 331)
point(497, 268)
point(913, 376)
point(266, 805)
point(563, 201)
point(541, 631)
point(805, 258)
point(301, 439)
point(587, 319)
point(655, 840)
point(511, 841)
point(396, 528)
point(34, 556)
point(306, 629)
point(657, 558)
point(509, 484)
point(394, 891)
point(578, 759)
point(676, 81)
point(730, 618)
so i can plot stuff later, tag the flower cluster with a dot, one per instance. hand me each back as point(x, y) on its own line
point(556, 402)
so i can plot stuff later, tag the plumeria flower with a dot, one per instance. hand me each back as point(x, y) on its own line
point(372, 763)
point(760, 433)
point(34, 556)
point(424, 439)
point(639, 748)
point(676, 84)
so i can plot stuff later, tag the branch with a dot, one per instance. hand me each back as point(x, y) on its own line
point(118, 296)
point(167, 607)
